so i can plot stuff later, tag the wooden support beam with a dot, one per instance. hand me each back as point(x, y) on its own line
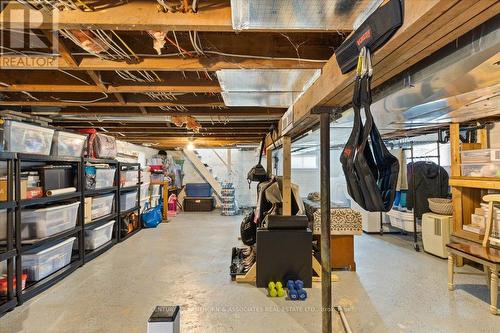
point(112, 104)
point(210, 88)
point(96, 78)
point(287, 176)
point(212, 15)
point(58, 46)
point(132, 126)
point(121, 99)
point(176, 64)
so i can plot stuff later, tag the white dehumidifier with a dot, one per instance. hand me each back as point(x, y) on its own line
point(165, 319)
point(436, 230)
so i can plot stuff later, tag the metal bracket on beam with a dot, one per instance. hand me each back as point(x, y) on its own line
point(334, 113)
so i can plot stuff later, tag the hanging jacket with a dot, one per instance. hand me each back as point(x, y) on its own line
point(431, 181)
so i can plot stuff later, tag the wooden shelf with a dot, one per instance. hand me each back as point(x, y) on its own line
point(468, 235)
point(474, 182)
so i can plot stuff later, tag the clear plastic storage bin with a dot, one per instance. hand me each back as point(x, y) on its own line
point(145, 176)
point(128, 200)
point(480, 156)
point(68, 144)
point(491, 170)
point(129, 178)
point(104, 177)
point(26, 138)
point(145, 191)
point(143, 203)
point(3, 224)
point(155, 200)
point(102, 205)
point(42, 261)
point(98, 236)
point(402, 220)
point(155, 190)
point(45, 222)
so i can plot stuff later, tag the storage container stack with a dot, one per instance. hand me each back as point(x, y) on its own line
point(229, 205)
point(145, 187)
point(481, 163)
point(198, 198)
point(400, 216)
point(48, 187)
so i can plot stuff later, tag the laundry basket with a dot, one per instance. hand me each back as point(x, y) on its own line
point(440, 206)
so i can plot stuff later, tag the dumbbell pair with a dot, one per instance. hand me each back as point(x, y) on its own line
point(296, 290)
point(275, 289)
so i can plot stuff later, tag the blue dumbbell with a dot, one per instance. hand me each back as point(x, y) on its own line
point(299, 284)
point(290, 285)
point(293, 295)
point(302, 294)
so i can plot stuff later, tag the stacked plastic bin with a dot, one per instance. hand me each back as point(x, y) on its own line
point(229, 206)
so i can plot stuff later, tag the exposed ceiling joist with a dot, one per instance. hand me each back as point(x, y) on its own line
point(201, 88)
point(110, 104)
point(212, 15)
point(210, 64)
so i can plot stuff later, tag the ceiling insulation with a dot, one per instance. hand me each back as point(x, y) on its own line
point(271, 80)
point(294, 14)
point(271, 88)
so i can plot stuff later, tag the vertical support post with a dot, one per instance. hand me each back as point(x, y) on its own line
point(287, 176)
point(10, 229)
point(17, 231)
point(456, 192)
point(229, 161)
point(414, 194)
point(81, 210)
point(269, 160)
point(326, 271)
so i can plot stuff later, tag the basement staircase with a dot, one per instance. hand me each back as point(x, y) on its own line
point(205, 172)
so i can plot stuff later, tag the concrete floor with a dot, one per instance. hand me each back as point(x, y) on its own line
point(186, 262)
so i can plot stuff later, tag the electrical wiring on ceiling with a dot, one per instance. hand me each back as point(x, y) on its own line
point(139, 76)
point(180, 108)
point(162, 96)
point(101, 44)
point(73, 76)
point(79, 101)
point(177, 6)
point(87, 5)
point(199, 51)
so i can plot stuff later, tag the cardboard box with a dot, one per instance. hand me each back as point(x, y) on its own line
point(3, 189)
point(88, 210)
point(479, 211)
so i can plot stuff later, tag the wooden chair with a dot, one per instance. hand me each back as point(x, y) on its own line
point(480, 253)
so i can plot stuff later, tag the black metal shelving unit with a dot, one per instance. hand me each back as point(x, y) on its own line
point(8, 249)
point(22, 246)
point(13, 247)
point(136, 187)
point(92, 254)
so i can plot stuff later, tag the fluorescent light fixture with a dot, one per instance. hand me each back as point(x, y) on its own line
point(190, 146)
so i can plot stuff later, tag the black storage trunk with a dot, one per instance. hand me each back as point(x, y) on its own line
point(199, 204)
point(53, 178)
